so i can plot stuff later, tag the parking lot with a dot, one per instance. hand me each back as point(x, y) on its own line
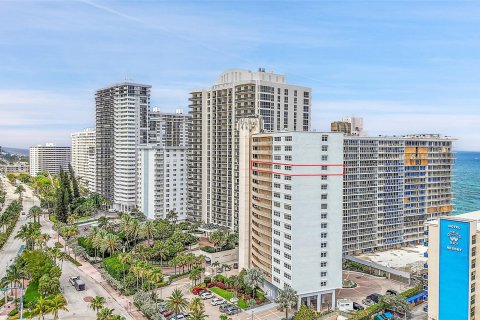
point(265, 312)
point(367, 285)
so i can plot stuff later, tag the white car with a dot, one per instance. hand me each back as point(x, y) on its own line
point(233, 300)
point(206, 295)
point(217, 301)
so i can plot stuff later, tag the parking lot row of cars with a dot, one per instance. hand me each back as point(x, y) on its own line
point(225, 307)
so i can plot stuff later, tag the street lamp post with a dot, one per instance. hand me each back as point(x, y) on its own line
point(21, 298)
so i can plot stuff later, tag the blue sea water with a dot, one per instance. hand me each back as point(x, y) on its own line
point(466, 186)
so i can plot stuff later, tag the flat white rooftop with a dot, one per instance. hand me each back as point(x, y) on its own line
point(408, 259)
point(469, 216)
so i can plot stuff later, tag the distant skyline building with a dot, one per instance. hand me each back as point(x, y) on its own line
point(49, 158)
point(83, 157)
point(351, 126)
point(121, 126)
point(162, 166)
point(291, 211)
point(452, 267)
point(214, 142)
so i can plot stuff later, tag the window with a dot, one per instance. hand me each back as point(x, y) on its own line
point(323, 254)
point(276, 232)
point(276, 204)
point(276, 280)
point(324, 148)
point(276, 260)
point(288, 178)
point(288, 197)
point(277, 223)
point(323, 245)
point(324, 167)
point(323, 274)
point(276, 166)
point(276, 241)
point(324, 206)
point(286, 265)
point(324, 177)
point(288, 168)
point(288, 187)
point(276, 270)
point(287, 246)
point(288, 158)
point(324, 196)
point(324, 187)
point(276, 185)
point(278, 138)
point(287, 207)
point(323, 264)
point(323, 283)
point(276, 176)
point(276, 195)
point(287, 236)
point(287, 276)
point(276, 213)
point(286, 255)
point(288, 227)
point(288, 148)
point(324, 225)
point(277, 148)
point(288, 138)
point(287, 216)
point(324, 158)
point(324, 138)
point(323, 215)
point(276, 251)
point(277, 157)
point(323, 235)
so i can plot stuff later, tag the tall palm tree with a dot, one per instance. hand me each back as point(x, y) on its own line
point(286, 299)
point(177, 302)
point(111, 243)
point(125, 259)
point(157, 278)
point(148, 229)
point(34, 213)
point(160, 250)
point(20, 190)
point(195, 275)
point(41, 308)
point(97, 303)
point(56, 304)
point(253, 279)
point(197, 309)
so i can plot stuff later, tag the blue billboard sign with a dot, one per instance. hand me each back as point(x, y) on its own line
point(454, 270)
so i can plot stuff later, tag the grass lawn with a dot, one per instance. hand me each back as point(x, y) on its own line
point(31, 294)
point(52, 218)
point(75, 262)
point(227, 295)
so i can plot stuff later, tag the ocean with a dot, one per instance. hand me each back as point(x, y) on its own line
point(466, 186)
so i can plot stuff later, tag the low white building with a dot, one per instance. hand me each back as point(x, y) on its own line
point(49, 158)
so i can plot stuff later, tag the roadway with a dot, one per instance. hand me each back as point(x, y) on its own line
point(78, 304)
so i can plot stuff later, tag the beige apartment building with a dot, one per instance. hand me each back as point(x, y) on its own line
point(213, 185)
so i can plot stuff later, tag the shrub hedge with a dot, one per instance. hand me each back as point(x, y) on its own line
point(114, 267)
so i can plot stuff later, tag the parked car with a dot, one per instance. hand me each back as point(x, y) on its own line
point(217, 301)
point(198, 291)
point(232, 310)
point(391, 291)
point(166, 313)
point(77, 283)
point(375, 297)
point(23, 213)
point(224, 307)
point(357, 306)
point(162, 309)
point(206, 295)
point(171, 316)
point(180, 316)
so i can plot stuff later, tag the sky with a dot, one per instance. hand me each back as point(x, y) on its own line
point(404, 66)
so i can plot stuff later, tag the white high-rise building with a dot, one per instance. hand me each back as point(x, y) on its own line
point(121, 126)
point(291, 211)
point(213, 190)
point(49, 158)
point(162, 166)
point(83, 157)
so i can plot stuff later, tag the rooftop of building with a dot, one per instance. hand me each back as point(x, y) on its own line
point(125, 83)
point(408, 259)
point(468, 216)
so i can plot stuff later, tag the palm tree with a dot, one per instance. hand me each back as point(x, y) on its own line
point(104, 314)
point(125, 259)
point(157, 278)
point(102, 222)
point(395, 302)
point(286, 299)
point(198, 315)
point(172, 216)
point(111, 243)
point(56, 304)
point(253, 279)
point(34, 213)
point(97, 303)
point(195, 275)
point(160, 250)
point(217, 238)
point(148, 229)
point(177, 302)
point(41, 308)
point(20, 190)
point(196, 304)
